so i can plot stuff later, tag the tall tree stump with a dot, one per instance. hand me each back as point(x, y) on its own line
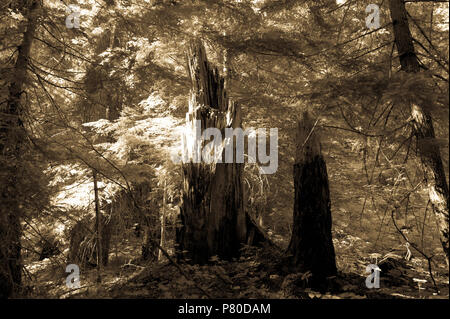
point(212, 212)
point(311, 244)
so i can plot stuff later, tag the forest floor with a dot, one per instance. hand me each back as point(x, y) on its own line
point(258, 273)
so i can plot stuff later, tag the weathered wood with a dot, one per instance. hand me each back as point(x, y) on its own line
point(212, 212)
point(422, 124)
point(311, 244)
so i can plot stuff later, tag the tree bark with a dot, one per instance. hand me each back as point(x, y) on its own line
point(311, 244)
point(12, 149)
point(163, 225)
point(212, 212)
point(150, 251)
point(98, 228)
point(422, 121)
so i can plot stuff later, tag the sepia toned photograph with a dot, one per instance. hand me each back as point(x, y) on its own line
point(224, 157)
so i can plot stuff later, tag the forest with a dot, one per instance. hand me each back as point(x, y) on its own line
point(237, 149)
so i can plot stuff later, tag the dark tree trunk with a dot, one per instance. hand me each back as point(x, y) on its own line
point(311, 244)
point(162, 241)
point(152, 235)
point(12, 148)
point(212, 212)
point(98, 228)
point(429, 152)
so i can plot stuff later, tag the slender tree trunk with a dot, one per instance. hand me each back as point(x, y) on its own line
point(12, 148)
point(212, 211)
point(112, 98)
point(163, 225)
point(98, 224)
point(429, 152)
point(311, 244)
